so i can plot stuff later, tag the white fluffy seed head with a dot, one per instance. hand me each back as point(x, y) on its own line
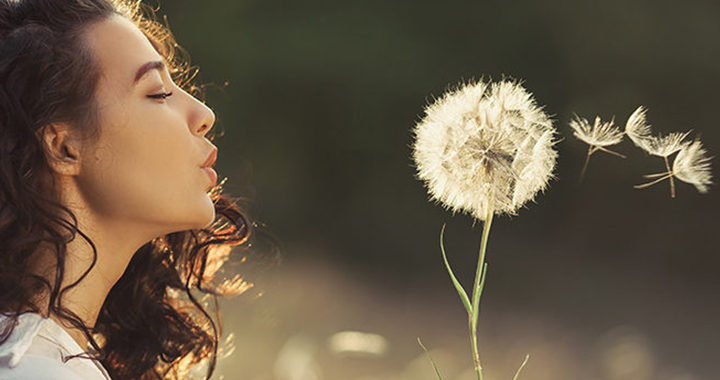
point(484, 148)
point(598, 134)
point(639, 132)
point(691, 165)
point(637, 128)
point(664, 146)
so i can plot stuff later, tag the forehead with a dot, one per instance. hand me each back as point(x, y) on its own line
point(120, 49)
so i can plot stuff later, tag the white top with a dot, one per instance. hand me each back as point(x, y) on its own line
point(35, 350)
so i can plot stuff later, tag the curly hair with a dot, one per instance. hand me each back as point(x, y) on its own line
point(151, 325)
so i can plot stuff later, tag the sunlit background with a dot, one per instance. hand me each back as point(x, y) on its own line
point(596, 280)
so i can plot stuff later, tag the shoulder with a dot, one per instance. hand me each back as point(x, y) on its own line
point(33, 367)
point(36, 349)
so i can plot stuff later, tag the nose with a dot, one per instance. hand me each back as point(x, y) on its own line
point(204, 117)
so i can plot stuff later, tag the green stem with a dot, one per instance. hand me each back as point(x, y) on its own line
point(456, 283)
point(478, 286)
point(437, 371)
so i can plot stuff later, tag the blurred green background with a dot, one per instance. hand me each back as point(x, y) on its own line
point(596, 280)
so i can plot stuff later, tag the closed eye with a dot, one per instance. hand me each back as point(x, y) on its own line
point(161, 95)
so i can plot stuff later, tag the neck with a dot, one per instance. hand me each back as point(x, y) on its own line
point(115, 238)
point(86, 298)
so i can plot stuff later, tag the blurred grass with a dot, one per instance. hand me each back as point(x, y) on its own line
point(304, 303)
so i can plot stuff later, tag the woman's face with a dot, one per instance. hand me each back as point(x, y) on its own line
point(145, 169)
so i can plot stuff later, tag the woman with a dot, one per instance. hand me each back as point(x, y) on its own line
point(109, 209)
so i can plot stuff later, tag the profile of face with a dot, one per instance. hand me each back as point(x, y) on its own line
point(144, 171)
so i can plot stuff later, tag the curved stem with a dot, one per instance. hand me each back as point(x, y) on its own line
point(437, 371)
point(478, 285)
point(521, 366)
point(463, 296)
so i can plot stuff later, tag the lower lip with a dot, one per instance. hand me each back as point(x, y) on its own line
point(211, 173)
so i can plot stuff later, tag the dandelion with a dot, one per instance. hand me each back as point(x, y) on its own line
point(663, 146)
point(482, 149)
point(691, 165)
point(485, 148)
point(598, 136)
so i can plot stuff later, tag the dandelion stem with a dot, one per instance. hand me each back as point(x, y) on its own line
point(587, 160)
point(672, 181)
point(478, 285)
point(472, 323)
point(644, 185)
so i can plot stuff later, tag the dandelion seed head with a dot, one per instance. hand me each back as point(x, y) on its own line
point(664, 146)
point(484, 147)
point(639, 132)
point(691, 165)
point(598, 134)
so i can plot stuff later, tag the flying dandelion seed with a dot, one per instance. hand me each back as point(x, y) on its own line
point(485, 148)
point(663, 146)
point(638, 130)
point(691, 165)
point(640, 134)
point(598, 136)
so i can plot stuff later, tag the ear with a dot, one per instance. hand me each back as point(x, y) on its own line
point(62, 149)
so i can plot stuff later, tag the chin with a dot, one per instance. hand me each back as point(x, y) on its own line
point(209, 221)
point(197, 215)
point(209, 216)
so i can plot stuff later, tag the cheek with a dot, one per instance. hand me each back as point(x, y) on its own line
point(145, 171)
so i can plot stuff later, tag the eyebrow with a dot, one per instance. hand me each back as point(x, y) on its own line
point(152, 65)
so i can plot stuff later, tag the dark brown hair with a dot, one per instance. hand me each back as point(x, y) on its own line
point(151, 325)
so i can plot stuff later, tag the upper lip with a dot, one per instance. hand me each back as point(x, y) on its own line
point(211, 159)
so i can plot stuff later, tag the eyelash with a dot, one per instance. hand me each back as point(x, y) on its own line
point(161, 95)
